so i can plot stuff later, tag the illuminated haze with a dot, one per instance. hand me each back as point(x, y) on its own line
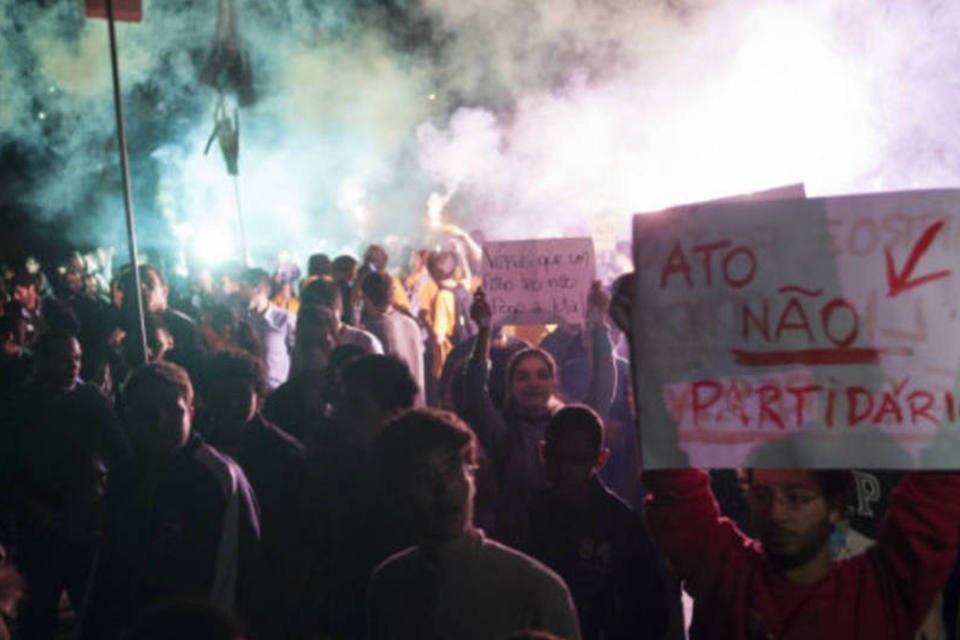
point(533, 118)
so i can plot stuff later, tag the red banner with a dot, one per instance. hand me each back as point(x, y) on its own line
point(123, 10)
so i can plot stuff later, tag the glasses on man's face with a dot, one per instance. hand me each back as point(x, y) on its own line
point(763, 497)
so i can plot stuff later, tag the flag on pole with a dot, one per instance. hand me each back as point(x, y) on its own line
point(123, 10)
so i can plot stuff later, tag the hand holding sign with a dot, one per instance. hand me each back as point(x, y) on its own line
point(805, 333)
point(480, 311)
point(538, 281)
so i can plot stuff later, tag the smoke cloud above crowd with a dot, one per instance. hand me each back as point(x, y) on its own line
point(528, 119)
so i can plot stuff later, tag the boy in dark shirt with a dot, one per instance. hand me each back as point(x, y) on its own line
point(595, 541)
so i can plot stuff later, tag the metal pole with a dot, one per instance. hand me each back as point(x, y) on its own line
point(127, 190)
point(243, 234)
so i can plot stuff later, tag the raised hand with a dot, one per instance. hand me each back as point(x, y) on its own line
point(480, 311)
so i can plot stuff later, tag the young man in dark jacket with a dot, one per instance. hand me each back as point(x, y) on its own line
point(275, 463)
point(595, 541)
point(182, 520)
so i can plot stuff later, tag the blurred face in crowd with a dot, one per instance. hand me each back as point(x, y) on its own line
point(61, 370)
point(74, 282)
point(532, 384)
point(358, 409)
point(790, 515)
point(169, 430)
point(76, 263)
point(232, 402)
point(315, 342)
point(440, 492)
point(417, 262)
point(571, 460)
point(91, 286)
point(116, 294)
point(26, 295)
point(155, 293)
point(204, 281)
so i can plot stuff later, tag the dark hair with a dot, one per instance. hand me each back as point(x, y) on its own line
point(12, 322)
point(222, 317)
point(834, 485)
point(26, 279)
point(387, 379)
point(344, 353)
point(141, 392)
point(376, 256)
point(125, 278)
point(51, 344)
point(576, 418)
point(519, 356)
point(319, 265)
point(442, 265)
point(344, 264)
point(377, 286)
point(416, 432)
point(321, 292)
point(233, 366)
point(315, 314)
point(255, 277)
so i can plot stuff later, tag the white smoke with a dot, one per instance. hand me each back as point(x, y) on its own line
point(534, 118)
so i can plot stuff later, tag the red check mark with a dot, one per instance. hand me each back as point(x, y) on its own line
point(897, 283)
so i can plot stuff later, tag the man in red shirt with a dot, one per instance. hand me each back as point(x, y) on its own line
point(786, 584)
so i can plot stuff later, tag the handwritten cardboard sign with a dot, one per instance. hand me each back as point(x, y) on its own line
point(538, 281)
point(800, 333)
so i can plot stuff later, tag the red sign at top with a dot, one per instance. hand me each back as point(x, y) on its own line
point(124, 10)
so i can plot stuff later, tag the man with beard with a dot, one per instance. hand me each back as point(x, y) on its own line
point(786, 584)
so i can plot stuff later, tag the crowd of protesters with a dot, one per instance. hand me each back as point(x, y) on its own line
point(360, 451)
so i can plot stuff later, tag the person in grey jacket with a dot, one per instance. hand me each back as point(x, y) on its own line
point(454, 583)
point(510, 436)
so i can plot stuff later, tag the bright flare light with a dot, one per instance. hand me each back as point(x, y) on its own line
point(214, 244)
point(791, 109)
point(435, 206)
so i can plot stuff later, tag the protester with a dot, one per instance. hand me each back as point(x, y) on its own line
point(182, 520)
point(281, 289)
point(59, 440)
point(786, 583)
point(448, 322)
point(299, 405)
point(222, 329)
point(360, 530)
point(375, 260)
point(155, 294)
point(455, 583)
point(328, 294)
point(318, 266)
point(511, 436)
point(502, 349)
point(26, 292)
point(275, 327)
point(397, 332)
point(344, 273)
point(233, 389)
point(587, 534)
point(418, 285)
